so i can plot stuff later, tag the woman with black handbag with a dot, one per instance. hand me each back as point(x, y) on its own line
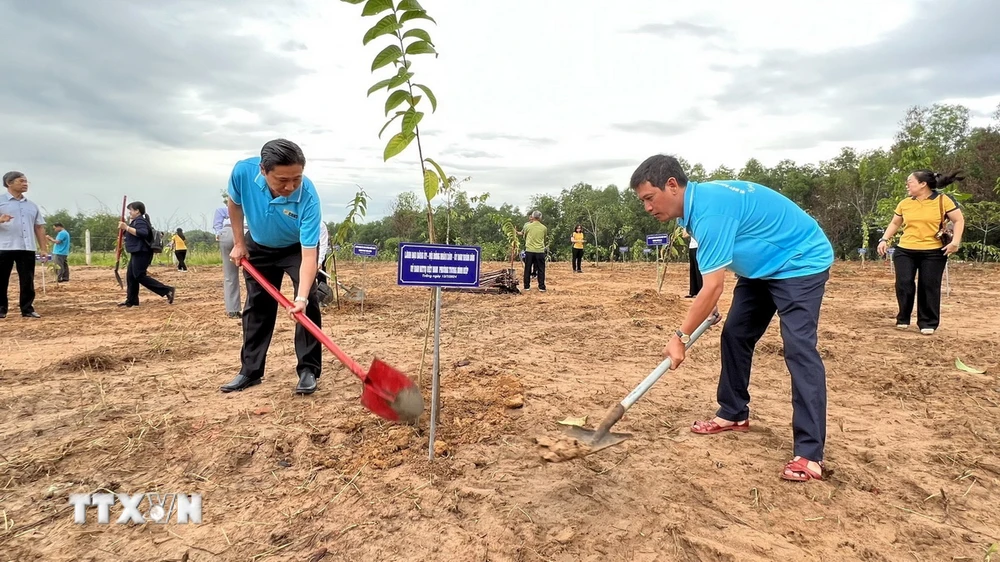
point(924, 247)
point(138, 234)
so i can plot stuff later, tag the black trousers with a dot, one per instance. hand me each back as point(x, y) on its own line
point(62, 261)
point(577, 259)
point(694, 274)
point(260, 311)
point(797, 302)
point(930, 265)
point(25, 262)
point(181, 254)
point(137, 274)
point(534, 261)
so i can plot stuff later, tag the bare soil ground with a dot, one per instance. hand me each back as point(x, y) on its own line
point(93, 397)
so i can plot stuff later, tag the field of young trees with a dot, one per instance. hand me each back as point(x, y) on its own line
point(852, 195)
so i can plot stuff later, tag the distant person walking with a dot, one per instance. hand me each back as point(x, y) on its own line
point(60, 252)
point(137, 239)
point(694, 274)
point(230, 271)
point(22, 233)
point(179, 242)
point(577, 239)
point(924, 246)
point(534, 250)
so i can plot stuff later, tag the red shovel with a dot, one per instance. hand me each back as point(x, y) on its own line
point(388, 393)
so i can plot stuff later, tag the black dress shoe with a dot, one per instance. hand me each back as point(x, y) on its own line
point(307, 383)
point(170, 295)
point(32, 314)
point(239, 383)
point(128, 304)
point(3, 314)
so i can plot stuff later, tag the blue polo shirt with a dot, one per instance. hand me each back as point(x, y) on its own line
point(61, 247)
point(275, 222)
point(753, 230)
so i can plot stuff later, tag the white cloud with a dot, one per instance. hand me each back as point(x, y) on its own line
point(533, 97)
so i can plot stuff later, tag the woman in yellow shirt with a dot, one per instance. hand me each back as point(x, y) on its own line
point(179, 243)
point(920, 249)
point(577, 239)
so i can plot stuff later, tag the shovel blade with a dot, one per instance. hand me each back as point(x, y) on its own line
point(591, 439)
point(390, 394)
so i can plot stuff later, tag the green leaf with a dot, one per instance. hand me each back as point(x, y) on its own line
point(386, 56)
point(409, 5)
point(420, 48)
point(373, 7)
point(389, 122)
point(963, 367)
point(436, 167)
point(400, 79)
point(379, 85)
point(353, 1)
point(431, 184)
point(419, 34)
point(430, 96)
point(415, 100)
point(411, 118)
point(385, 26)
point(395, 98)
point(414, 15)
point(397, 144)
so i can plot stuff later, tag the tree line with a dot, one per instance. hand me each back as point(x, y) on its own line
point(852, 196)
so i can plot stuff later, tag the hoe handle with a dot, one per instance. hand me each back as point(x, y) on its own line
point(618, 411)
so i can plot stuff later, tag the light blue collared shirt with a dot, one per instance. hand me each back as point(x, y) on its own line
point(19, 233)
point(275, 222)
point(753, 230)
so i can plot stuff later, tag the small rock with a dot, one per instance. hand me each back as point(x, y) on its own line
point(263, 410)
point(515, 401)
point(564, 536)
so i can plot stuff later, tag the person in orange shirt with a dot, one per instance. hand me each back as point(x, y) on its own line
point(577, 239)
point(922, 248)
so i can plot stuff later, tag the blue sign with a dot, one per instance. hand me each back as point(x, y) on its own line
point(862, 251)
point(336, 247)
point(623, 249)
point(657, 239)
point(647, 251)
point(438, 265)
point(365, 250)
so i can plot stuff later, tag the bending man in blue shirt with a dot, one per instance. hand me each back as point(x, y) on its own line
point(783, 260)
point(282, 210)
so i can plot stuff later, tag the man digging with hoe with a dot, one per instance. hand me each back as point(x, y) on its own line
point(783, 260)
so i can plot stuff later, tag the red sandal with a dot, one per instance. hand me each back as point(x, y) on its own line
point(709, 427)
point(800, 471)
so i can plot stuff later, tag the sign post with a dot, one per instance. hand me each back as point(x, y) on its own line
point(365, 251)
point(437, 266)
point(659, 240)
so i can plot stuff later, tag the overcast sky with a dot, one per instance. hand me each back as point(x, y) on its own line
point(157, 99)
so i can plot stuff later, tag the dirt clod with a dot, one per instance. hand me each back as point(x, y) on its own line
point(561, 449)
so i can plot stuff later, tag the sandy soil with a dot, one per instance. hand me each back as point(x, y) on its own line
point(96, 397)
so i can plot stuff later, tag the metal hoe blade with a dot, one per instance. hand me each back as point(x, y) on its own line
point(594, 439)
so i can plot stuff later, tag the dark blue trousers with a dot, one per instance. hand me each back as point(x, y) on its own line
point(797, 302)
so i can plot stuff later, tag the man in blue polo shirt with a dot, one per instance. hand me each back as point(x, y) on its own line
point(60, 251)
point(282, 211)
point(783, 260)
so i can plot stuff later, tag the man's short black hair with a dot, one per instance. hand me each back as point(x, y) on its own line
point(59, 224)
point(657, 170)
point(11, 176)
point(281, 152)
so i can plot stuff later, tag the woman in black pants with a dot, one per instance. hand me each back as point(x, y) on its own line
point(137, 238)
point(921, 250)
